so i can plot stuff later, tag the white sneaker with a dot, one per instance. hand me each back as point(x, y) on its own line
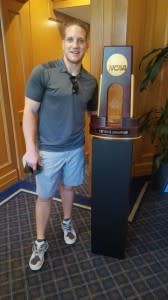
point(37, 258)
point(69, 232)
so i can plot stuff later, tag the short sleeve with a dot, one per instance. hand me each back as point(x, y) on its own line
point(36, 84)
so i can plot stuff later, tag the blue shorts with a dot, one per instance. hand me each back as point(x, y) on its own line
point(60, 167)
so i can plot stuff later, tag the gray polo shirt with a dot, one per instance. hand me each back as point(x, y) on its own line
point(61, 114)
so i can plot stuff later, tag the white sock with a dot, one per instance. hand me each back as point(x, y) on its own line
point(67, 221)
point(40, 242)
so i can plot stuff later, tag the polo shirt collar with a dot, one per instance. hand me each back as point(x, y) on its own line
point(64, 69)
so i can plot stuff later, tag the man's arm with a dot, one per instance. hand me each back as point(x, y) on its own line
point(30, 131)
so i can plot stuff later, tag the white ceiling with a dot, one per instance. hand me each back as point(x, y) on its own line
point(80, 12)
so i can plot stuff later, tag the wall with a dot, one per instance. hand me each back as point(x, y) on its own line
point(8, 165)
point(143, 24)
point(151, 31)
point(46, 39)
point(16, 62)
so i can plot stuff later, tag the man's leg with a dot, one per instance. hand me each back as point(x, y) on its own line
point(67, 195)
point(73, 175)
point(42, 211)
point(46, 184)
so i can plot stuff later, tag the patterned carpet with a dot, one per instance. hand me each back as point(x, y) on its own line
point(74, 272)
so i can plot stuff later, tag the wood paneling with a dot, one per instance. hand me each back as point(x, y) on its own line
point(96, 37)
point(46, 39)
point(69, 3)
point(115, 22)
point(18, 50)
point(143, 24)
point(8, 165)
point(151, 31)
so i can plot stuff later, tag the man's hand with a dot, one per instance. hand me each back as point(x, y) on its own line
point(32, 159)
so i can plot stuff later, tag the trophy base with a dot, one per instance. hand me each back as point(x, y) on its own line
point(127, 129)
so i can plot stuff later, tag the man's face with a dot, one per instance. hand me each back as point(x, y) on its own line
point(74, 44)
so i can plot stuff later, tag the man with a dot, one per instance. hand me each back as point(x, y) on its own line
point(57, 95)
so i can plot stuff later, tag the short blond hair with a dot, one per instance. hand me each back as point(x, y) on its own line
point(77, 22)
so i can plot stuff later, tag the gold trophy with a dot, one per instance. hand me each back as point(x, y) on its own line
point(116, 95)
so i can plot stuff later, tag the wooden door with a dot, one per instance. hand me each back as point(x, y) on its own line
point(18, 48)
point(8, 165)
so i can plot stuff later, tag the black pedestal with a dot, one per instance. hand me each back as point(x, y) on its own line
point(111, 180)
